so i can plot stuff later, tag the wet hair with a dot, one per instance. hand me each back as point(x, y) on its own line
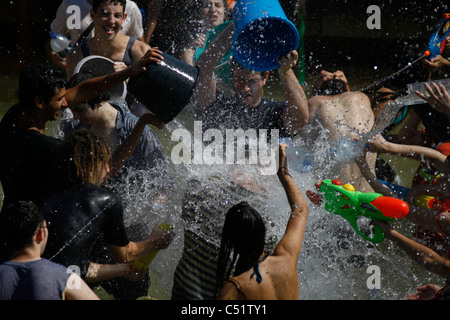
point(234, 65)
point(80, 77)
point(18, 224)
point(243, 235)
point(81, 155)
point(39, 80)
point(96, 3)
point(330, 88)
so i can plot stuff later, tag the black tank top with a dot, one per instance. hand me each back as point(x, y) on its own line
point(127, 57)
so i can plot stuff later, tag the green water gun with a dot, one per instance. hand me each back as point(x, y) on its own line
point(343, 200)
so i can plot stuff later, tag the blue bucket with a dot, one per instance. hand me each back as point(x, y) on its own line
point(262, 34)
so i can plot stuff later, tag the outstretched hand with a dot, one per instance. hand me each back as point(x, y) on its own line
point(152, 55)
point(438, 97)
point(426, 292)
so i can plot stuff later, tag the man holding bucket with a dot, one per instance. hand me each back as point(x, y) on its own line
point(249, 73)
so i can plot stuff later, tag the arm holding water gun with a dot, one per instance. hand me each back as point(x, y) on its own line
point(440, 61)
point(438, 46)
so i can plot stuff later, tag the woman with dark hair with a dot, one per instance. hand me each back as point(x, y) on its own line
point(257, 275)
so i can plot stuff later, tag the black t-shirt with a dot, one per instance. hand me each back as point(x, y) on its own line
point(79, 217)
point(27, 160)
point(225, 113)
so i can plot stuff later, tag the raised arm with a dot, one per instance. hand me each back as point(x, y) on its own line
point(291, 243)
point(205, 90)
point(297, 114)
point(153, 10)
point(126, 149)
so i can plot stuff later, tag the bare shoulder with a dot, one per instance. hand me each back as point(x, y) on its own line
point(229, 291)
point(139, 49)
point(355, 96)
point(72, 59)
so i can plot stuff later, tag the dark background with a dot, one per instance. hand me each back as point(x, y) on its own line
point(336, 32)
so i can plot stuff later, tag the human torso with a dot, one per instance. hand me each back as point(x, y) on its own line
point(27, 168)
point(279, 281)
point(34, 280)
point(225, 113)
point(79, 216)
point(119, 50)
point(345, 115)
point(204, 212)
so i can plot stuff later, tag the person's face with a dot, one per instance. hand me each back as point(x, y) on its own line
point(55, 106)
point(248, 86)
point(108, 20)
point(84, 113)
point(213, 12)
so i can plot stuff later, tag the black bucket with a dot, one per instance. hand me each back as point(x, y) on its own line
point(165, 88)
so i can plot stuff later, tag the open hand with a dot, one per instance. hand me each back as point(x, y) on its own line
point(438, 97)
point(152, 55)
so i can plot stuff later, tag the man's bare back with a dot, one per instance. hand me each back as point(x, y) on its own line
point(349, 116)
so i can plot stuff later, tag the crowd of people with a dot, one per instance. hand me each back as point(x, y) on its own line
point(63, 218)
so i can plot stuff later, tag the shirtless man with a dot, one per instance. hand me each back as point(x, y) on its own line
point(343, 114)
point(276, 274)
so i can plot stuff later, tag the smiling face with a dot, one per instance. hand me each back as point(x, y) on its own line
point(55, 105)
point(108, 20)
point(213, 13)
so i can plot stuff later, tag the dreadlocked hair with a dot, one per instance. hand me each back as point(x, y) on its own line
point(81, 156)
point(243, 240)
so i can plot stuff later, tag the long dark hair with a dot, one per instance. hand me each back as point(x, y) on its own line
point(243, 235)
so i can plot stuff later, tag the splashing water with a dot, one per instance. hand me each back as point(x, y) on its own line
point(334, 261)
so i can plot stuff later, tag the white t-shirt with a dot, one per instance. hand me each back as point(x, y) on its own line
point(72, 18)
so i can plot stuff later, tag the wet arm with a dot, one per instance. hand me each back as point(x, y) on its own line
point(77, 289)
point(423, 255)
point(126, 149)
point(103, 272)
point(291, 242)
point(205, 91)
point(153, 9)
point(159, 239)
point(415, 152)
point(296, 115)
